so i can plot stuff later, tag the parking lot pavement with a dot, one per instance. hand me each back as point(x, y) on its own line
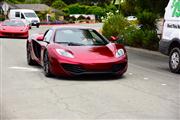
point(147, 91)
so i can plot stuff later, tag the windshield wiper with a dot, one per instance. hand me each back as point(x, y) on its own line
point(71, 43)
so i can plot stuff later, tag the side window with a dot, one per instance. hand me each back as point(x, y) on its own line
point(95, 36)
point(17, 14)
point(48, 35)
point(22, 16)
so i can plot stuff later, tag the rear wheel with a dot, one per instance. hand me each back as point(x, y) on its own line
point(37, 26)
point(174, 60)
point(46, 65)
point(30, 61)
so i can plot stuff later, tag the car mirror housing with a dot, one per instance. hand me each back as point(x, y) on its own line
point(113, 38)
point(40, 38)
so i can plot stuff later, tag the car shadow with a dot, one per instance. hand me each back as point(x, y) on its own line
point(92, 77)
point(85, 77)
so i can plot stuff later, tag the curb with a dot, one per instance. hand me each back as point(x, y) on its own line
point(145, 51)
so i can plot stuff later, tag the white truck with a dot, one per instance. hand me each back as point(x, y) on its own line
point(29, 15)
point(170, 42)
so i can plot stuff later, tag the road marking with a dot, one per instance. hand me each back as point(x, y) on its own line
point(130, 73)
point(146, 78)
point(163, 84)
point(24, 68)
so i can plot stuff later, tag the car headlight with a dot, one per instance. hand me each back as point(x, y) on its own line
point(64, 53)
point(120, 53)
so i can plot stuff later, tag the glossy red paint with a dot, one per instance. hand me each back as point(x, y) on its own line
point(86, 60)
point(14, 31)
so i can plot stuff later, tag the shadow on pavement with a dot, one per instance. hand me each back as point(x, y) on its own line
point(92, 77)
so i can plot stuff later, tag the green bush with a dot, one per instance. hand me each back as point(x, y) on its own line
point(148, 20)
point(81, 17)
point(141, 38)
point(2, 18)
point(151, 40)
point(58, 4)
point(98, 11)
point(110, 8)
point(133, 36)
point(76, 9)
point(114, 26)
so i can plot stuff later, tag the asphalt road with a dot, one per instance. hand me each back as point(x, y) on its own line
point(147, 91)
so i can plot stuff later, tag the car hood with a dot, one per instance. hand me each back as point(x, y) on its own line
point(13, 28)
point(92, 52)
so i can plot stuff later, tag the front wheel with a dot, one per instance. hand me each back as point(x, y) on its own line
point(174, 60)
point(30, 61)
point(46, 65)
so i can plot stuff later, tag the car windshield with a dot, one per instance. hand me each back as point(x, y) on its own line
point(30, 15)
point(13, 23)
point(77, 37)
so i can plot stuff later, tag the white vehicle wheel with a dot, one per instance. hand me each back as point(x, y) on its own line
point(174, 60)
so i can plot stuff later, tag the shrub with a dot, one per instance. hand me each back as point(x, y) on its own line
point(76, 9)
point(110, 8)
point(81, 17)
point(151, 40)
point(58, 4)
point(141, 38)
point(148, 20)
point(2, 18)
point(133, 36)
point(114, 25)
point(69, 19)
point(98, 11)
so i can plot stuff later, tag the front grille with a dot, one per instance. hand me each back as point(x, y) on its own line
point(118, 67)
point(73, 68)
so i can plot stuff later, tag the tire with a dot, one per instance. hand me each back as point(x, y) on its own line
point(46, 65)
point(174, 60)
point(30, 61)
point(37, 26)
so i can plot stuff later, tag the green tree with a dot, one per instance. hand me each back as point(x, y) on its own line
point(157, 6)
point(70, 1)
point(32, 1)
point(47, 2)
point(128, 7)
point(95, 2)
point(58, 4)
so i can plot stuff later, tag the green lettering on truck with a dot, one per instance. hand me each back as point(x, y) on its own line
point(176, 8)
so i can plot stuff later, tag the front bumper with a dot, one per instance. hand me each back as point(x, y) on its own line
point(164, 46)
point(14, 34)
point(66, 68)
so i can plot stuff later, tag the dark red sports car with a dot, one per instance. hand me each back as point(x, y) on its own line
point(68, 51)
point(14, 28)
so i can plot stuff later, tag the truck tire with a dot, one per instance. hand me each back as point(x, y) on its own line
point(37, 25)
point(174, 60)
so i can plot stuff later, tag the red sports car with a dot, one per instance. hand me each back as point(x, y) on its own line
point(68, 51)
point(14, 28)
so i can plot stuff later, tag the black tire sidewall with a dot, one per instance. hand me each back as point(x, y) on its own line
point(177, 70)
point(29, 58)
point(46, 73)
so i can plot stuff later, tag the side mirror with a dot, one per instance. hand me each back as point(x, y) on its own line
point(113, 38)
point(40, 38)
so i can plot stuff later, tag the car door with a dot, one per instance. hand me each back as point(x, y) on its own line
point(47, 39)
